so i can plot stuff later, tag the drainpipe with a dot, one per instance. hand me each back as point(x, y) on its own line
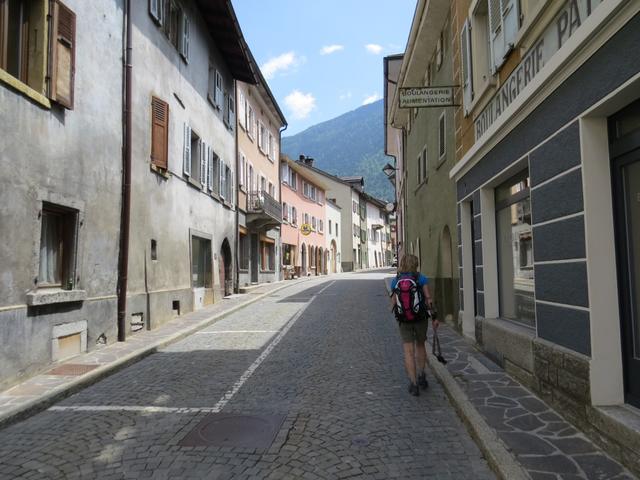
point(123, 263)
point(286, 125)
point(236, 281)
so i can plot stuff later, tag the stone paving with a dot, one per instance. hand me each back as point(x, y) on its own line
point(545, 444)
point(32, 390)
point(324, 355)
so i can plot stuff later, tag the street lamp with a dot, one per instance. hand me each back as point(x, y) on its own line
point(389, 170)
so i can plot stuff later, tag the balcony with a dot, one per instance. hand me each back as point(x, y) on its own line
point(263, 211)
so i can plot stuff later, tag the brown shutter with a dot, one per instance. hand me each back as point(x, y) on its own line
point(63, 49)
point(159, 132)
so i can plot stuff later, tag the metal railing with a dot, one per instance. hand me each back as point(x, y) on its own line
point(262, 202)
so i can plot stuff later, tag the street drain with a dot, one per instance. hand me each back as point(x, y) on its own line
point(233, 430)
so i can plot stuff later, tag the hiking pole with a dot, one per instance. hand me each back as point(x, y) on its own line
point(436, 343)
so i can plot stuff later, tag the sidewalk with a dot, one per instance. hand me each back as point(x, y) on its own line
point(518, 433)
point(65, 378)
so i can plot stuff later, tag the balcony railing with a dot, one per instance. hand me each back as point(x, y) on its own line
point(262, 203)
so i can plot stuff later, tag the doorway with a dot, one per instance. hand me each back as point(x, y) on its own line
point(255, 257)
point(624, 139)
point(226, 280)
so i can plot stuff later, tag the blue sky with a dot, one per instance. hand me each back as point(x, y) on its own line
point(323, 58)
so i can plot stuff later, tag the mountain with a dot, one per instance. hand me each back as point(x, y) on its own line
point(351, 144)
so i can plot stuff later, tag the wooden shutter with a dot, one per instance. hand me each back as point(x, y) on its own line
point(232, 111)
point(203, 162)
point(187, 150)
point(159, 132)
point(184, 36)
point(467, 69)
point(510, 23)
point(496, 34)
point(155, 9)
point(63, 58)
point(210, 168)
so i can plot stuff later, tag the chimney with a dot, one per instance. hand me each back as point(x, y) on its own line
point(306, 160)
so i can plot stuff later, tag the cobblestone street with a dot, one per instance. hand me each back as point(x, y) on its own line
point(315, 373)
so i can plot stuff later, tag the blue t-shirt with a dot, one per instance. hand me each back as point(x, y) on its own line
point(422, 280)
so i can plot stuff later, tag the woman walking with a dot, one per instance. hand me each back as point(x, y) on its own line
point(411, 300)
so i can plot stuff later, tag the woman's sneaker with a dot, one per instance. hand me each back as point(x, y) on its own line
point(414, 390)
point(422, 381)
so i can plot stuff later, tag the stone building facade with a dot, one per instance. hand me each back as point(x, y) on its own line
point(60, 180)
point(547, 182)
point(259, 208)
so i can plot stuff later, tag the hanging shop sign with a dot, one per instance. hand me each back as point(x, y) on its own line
point(305, 229)
point(424, 97)
point(568, 20)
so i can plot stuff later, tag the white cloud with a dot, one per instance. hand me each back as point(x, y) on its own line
point(280, 63)
point(300, 104)
point(345, 96)
point(329, 49)
point(371, 98)
point(373, 48)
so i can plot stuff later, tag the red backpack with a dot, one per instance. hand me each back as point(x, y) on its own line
point(409, 298)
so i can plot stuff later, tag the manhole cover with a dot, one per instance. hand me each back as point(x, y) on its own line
point(229, 430)
point(71, 369)
point(360, 441)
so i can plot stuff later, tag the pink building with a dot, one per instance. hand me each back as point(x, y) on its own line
point(304, 219)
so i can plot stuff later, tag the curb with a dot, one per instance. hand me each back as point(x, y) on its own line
point(501, 461)
point(43, 402)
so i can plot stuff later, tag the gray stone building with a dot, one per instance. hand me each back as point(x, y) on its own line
point(60, 180)
point(187, 56)
point(547, 186)
point(428, 201)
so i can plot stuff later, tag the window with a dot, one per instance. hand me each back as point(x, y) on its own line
point(218, 92)
point(251, 127)
point(287, 254)
point(515, 250)
point(57, 247)
point(194, 155)
point(159, 133)
point(214, 169)
point(28, 55)
point(314, 223)
point(305, 218)
point(284, 172)
point(439, 45)
point(442, 140)
point(320, 225)
point(201, 266)
point(263, 184)
point(329, 227)
point(229, 111)
point(293, 177)
point(305, 189)
point(244, 252)
point(423, 166)
point(175, 23)
point(285, 212)
point(467, 70)
point(294, 216)
point(271, 147)
point(250, 179)
point(242, 110)
point(272, 190)
point(243, 171)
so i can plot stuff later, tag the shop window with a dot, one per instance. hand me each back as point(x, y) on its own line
point(201, 267)
point(515, 250)
point(287, 254)
point(244, 252)
point(57, 247)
